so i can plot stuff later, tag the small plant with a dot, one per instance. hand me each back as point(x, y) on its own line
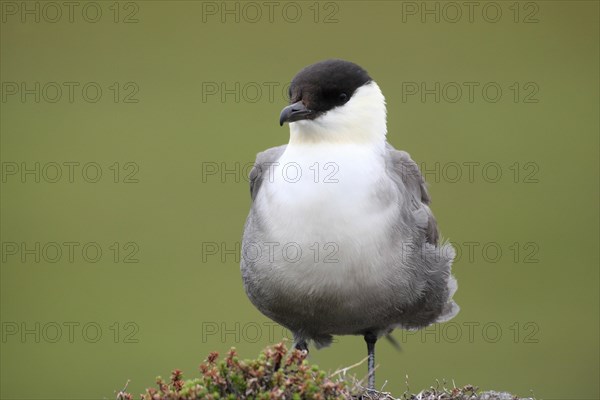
point(274, 375)
point(281, 375)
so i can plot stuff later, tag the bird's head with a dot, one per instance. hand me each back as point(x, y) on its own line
point(335, 101)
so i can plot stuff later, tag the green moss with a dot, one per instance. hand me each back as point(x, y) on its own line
point(276, 374)
point(281, 375)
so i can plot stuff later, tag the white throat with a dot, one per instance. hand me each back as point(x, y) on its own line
point(362, 120)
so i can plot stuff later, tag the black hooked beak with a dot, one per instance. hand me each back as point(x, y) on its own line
point(294, 112)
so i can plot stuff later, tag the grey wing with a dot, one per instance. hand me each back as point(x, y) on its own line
point(262, 166)
point(408, 176)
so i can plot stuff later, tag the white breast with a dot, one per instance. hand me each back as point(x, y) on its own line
point(333, 202)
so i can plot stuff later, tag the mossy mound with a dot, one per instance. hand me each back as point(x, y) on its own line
point(279, 374)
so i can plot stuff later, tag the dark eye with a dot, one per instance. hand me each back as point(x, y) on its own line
point(343, 97)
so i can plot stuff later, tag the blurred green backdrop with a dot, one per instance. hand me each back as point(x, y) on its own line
point(186, 97)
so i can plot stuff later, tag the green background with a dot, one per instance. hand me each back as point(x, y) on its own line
point(547, 310)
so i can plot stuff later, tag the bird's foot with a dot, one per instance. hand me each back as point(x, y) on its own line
point(302, 346)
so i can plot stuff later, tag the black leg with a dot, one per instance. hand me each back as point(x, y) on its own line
point(301, 345)
point(371, 338)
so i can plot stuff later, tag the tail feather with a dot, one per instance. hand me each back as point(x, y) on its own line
point(393, 342)
point(450, 308)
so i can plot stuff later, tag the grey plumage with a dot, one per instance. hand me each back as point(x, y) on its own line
point(417, 295)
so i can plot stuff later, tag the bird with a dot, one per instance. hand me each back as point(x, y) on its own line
point(340, 238)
